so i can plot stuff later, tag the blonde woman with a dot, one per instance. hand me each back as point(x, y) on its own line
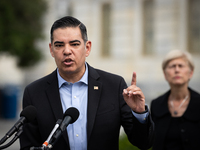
point(176, 113)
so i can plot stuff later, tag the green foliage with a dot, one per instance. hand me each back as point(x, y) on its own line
point(124, 144)
point(20, 27)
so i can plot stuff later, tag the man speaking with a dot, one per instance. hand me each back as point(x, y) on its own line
point(103, 99)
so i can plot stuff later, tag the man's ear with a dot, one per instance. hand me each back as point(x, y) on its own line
point(88, 46)
point(51, 50)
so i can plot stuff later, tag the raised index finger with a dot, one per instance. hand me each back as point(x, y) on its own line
point(133, 82)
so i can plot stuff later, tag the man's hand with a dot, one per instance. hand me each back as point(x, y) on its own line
point(134, 97)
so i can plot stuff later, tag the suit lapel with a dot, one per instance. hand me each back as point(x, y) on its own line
point(94, 92)
point(54, 99)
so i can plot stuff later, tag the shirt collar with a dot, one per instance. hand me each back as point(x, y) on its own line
point(84, 78)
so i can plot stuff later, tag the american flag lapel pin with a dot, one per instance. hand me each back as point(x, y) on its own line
point(96, 87)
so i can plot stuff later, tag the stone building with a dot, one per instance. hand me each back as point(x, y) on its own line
point(127, 36)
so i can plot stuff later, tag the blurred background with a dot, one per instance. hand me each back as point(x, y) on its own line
point(127, 36)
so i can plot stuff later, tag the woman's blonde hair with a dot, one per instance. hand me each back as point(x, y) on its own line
point(177, 54)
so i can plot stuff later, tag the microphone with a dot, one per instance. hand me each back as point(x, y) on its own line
point(27, 115)
point(69, 117)
point(45, 144)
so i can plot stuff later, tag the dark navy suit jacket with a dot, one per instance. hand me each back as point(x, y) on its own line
point(107, 111)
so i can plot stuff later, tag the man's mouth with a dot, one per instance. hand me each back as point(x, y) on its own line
point(68, 61)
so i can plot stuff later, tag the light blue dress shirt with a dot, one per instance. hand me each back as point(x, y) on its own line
point(76, 95)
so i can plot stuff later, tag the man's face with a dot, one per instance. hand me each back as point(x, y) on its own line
point(69, 52)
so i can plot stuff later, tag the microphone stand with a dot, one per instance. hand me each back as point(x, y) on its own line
point(19, 132)
point(40, 148)
point(54, 139)
point(3, 139)
point(68, 119)
point(12, 131)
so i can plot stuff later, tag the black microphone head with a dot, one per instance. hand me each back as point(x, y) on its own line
point(73, 113)
point(29, 113)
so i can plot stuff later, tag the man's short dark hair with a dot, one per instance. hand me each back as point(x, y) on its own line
point(69, 21)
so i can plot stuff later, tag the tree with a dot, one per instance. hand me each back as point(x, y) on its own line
point(20, 27)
